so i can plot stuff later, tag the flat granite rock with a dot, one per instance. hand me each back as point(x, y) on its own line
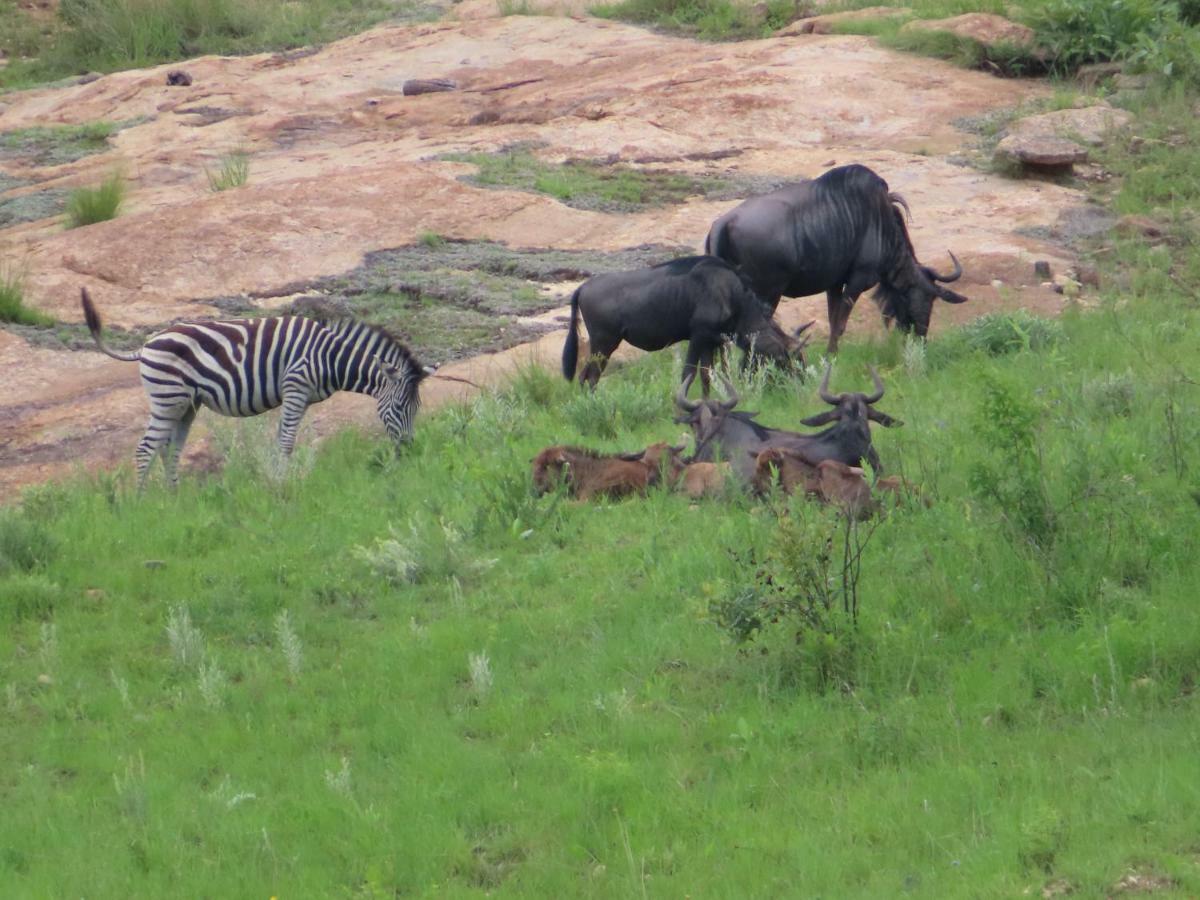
point(825, 24)
point(1041, 151)
point(986, 28)
point(1088, 125)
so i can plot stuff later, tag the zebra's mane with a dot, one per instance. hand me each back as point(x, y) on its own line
point(391, 345)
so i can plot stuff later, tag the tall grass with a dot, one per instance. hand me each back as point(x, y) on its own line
point(105, 35)
point(12, 299)
point(87, 206)
point(234, 171)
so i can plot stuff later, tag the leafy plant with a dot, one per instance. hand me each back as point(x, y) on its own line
point(87, 206)
point(1076, 32)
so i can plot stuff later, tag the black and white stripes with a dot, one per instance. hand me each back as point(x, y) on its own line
point(244, 367)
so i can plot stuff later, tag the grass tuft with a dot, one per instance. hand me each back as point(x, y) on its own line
point(87, 206)
point(233, 172)
point(12, 300)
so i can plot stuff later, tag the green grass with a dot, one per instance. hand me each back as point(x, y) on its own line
point(87, 206)
point(233, 172)
point(106, 35)
point(399, 673)
point(710, 20)
point(583, 184)
point(57, 144)
point(12, 300)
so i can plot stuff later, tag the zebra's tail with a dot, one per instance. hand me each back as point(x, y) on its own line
point(570, 357)
point(93, 324)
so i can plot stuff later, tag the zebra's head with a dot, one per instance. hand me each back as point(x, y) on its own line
point(399, 397)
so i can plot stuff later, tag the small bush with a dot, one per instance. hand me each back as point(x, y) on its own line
point(1172, 51)
point(807, 582)
point(613, 409)
point(24, 545)
point(710, 20)
point(996, 334)
point(12, 301)
point(1077, 32)
point(29, 596)
point(235, 169)
point(87, 206)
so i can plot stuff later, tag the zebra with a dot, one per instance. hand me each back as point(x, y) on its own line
point(244, 367)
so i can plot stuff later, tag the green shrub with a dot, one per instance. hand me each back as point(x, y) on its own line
point(12, 301)
point(29, 596)
point(86, 206)
point(1172, 51)
point(235, 169)
point(996, 334)
point(24, 545)
point(1077, 32)
point(710, 20)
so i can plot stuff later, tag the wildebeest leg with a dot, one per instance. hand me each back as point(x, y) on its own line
point(876, 465)
point(698, 359)
point(597, 361)
point(839, 306)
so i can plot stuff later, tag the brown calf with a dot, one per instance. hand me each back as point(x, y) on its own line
point(588, 473)
point(829, 480)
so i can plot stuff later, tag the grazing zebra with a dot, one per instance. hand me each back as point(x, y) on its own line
point(243, 367)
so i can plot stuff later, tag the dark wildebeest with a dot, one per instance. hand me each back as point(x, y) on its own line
point(840, 233)
point(698, 299)
point(738, 438)
point(587, 473)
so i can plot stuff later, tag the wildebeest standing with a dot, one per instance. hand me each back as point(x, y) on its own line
point(698, 299)
point(719, 430)
point(840, 233)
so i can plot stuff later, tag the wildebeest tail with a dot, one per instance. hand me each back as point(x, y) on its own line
point(719, 246)
point(570, 355)
point(94, 326)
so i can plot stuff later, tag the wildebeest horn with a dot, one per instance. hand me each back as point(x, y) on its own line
point(953, 276)
point(875, 397)
point(681, 399)
point(732, 400)
point(823, 390)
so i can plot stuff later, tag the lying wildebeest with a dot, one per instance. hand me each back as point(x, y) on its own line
point(840, 233)
point(831, 481)
point(588, 474)
point(698, 299)
point(718, 429)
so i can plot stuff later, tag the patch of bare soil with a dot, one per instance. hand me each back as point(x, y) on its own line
point(342, 165)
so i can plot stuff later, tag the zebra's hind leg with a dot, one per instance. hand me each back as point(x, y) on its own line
point(158, 432)
point(174, 447)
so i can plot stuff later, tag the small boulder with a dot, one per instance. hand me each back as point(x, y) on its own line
point(88, 78)
point(1041, 269)
point(1092, 74)
point(825, 24)
point(985, 28)
point(178, 78)
point(1046, 153)
point(1089, 124)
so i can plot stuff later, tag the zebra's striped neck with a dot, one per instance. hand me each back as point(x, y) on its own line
point(355, 353)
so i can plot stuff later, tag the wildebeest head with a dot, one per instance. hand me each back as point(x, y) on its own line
point(851, 407)
point(704, 416)
point(907, 299)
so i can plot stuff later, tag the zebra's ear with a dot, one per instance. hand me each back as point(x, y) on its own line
point(426, 371)
point(390, 372)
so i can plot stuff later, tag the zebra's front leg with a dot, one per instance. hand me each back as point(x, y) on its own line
point(295, 402)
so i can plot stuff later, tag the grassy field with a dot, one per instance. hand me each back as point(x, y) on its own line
point(392, 674)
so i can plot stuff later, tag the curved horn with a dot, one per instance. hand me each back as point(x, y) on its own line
point(732, 400)
point(681, 399)
point(953, 276)
point(823, 390)
point(875, 397)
